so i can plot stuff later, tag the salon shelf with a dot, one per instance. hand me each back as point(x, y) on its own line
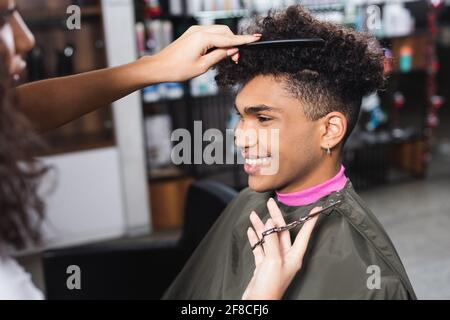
point(58, 13)
point(212, 110)
point(162, 100)
point(57, 16)
point(222, 14)
point(213, 14)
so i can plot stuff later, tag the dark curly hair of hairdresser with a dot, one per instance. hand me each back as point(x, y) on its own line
point(334, 77)
point(21, 208)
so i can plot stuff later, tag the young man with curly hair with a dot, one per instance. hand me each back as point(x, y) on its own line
point(312, 96)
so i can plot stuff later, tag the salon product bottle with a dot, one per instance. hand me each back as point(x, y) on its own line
point(204, 84)
point(397, 20)
point(176, 7)
point(371, 105)
point(65, 66)
point(152, 45)
point(65, 61)
point(152, 8)
point(151, 93)
point(140, 38)
point(350, 12)
point(193, 7)
point(261, 6)
point(406, 57)
point(387, 62)
point(35, 64)
point(173, 90)
point(399, 103)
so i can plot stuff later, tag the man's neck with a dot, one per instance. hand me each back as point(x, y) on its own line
point(318, 176)
point(314, 191)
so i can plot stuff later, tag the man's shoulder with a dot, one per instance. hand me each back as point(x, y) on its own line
point(366, 227)
point(343, 262)
point(354, 245)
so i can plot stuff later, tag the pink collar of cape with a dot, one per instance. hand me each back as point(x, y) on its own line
point(312, 194)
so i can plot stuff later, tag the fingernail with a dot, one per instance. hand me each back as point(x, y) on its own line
point(232, 51)
point(257, 34)
point(237, 58)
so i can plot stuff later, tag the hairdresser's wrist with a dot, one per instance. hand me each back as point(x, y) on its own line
point(153, 70)
point(147, 71)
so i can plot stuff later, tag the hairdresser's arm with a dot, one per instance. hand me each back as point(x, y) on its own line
point(54, 102)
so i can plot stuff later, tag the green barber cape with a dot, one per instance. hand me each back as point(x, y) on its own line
point(347, 250)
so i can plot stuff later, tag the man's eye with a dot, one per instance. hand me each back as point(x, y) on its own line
point(6, 15)
point(263, 119)
point(3, 21)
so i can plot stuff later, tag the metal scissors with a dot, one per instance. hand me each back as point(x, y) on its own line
point(293, 224)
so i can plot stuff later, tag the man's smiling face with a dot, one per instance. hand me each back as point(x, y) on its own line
point(264, 104)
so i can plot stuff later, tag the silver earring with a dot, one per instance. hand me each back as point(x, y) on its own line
point(328, 151)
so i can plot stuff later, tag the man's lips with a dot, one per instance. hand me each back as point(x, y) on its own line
point(18, 65)
point(254, 164)
point(258, 161)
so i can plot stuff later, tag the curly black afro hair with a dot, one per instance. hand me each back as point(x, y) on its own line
point(333, 77)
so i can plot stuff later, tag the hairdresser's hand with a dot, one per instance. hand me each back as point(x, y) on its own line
point(187, 56)
point(277, 261)
point(76, 95)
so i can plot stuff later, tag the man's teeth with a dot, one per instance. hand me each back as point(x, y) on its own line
point(257, 161)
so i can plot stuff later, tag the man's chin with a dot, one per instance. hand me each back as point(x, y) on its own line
point(260, 183)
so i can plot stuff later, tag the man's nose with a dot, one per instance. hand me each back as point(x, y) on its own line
point(23, 38)
point(245, 138)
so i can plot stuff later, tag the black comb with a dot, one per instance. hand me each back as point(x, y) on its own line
point(305, 42)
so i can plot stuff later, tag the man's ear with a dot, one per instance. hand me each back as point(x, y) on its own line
point(334, 126)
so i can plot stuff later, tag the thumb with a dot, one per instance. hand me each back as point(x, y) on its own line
point(214, 57)
point(228, 41)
